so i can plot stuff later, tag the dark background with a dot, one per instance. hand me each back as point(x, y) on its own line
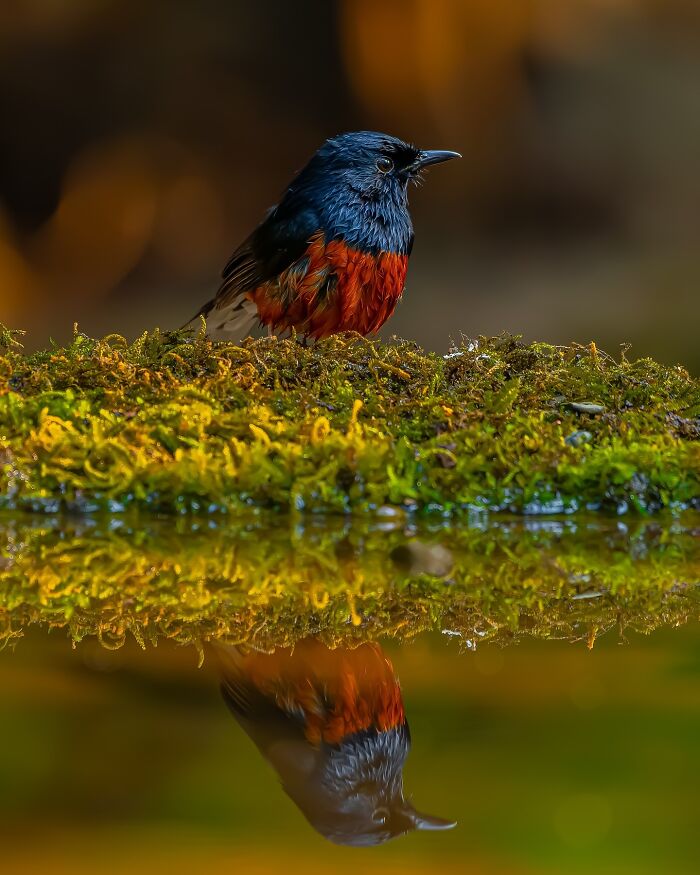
point(142, 140)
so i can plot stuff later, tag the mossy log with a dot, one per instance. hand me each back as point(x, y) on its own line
point(177, 423)
point(194, 582)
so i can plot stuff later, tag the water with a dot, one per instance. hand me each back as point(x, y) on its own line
point(548, 672)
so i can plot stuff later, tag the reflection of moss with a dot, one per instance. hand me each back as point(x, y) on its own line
point(175, 423)
point(192, 583)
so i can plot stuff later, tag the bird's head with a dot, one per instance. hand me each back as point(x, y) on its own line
point(370, 164)
point(356, 186)
point(373, 819)
point(362, 800)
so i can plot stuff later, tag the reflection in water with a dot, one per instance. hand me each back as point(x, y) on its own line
point(332, 724)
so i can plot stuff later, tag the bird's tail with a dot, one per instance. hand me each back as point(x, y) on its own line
point(233, 320)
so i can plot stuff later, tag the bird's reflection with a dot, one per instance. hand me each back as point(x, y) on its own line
point(332, 724)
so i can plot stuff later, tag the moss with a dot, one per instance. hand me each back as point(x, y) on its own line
point(177, 423)
point(194, 581)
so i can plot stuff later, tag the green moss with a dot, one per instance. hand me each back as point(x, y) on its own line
point(195, 582)
point(178, 423)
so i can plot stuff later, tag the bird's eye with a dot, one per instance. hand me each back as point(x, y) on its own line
point(384, 164)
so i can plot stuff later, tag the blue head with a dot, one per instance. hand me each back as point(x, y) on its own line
point(360, 799)
point(357, 185)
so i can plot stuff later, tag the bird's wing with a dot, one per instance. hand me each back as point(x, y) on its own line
point(270, 720)
point(277, 733)
point(272, 248)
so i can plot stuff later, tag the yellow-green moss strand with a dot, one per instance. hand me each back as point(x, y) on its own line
point(178, 423)
point(194, 581)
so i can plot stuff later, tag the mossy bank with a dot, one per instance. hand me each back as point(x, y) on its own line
point(176, 423)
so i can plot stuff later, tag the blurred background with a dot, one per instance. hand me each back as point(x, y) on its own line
point(141, 141)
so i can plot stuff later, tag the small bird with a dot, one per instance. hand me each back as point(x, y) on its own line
point(332, 255)
point(333, 726)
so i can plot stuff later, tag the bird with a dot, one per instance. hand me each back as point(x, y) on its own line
point(332, 255)
point(332, 724)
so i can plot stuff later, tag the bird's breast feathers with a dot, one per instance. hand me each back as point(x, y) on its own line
point(332, 287)
point(331, 695)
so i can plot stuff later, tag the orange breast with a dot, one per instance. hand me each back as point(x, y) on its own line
point(333, 288)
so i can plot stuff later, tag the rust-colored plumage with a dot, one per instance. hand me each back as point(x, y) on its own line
point(335, 693)
point(332, 288)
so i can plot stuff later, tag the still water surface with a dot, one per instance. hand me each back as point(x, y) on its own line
point(516, 755)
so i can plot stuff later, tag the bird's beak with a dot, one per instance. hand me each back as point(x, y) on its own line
point(433, 156)
point(428, 822)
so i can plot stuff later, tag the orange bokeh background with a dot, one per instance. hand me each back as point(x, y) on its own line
point(141, 142)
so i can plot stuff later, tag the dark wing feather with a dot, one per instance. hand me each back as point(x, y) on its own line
point(240, 275)
point(243, 272)
point(279, 241)
point(277, 733)
point(263, 718)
